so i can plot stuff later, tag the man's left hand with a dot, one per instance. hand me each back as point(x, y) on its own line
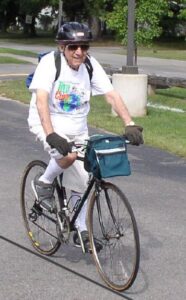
point(134, 134)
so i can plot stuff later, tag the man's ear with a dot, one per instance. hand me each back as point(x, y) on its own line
point(61, 48)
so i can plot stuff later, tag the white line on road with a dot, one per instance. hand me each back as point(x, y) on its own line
point(19, 74)
point(165, 107)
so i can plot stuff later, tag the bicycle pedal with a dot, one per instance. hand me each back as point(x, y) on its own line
point(37, 208)
point(52, 210)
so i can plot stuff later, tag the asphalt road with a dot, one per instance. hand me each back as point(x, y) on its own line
point(109, 56)
point(156, 190)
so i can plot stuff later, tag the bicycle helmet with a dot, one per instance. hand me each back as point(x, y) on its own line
point(74, 32)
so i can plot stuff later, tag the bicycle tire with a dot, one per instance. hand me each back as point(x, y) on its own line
point(40, 224)
point(111, 221)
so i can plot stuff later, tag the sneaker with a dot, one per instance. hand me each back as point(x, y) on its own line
point(44, 193)
point(86, 242)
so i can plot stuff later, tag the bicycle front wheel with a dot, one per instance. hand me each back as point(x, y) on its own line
point(113, 225)
point(40, 224)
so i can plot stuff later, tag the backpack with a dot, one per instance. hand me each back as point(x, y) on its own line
point(57, 56)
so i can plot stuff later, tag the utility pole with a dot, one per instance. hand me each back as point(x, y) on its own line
point(132, 86)
point(130, 68)
point(60, 13)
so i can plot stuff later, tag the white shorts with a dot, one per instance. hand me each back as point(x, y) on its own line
point(75, 177)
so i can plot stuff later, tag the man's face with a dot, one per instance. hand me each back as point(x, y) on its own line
point(75, 54)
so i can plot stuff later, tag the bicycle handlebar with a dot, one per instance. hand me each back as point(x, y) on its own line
point(80, 147)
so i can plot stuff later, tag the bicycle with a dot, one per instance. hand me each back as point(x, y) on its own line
point(110, 218)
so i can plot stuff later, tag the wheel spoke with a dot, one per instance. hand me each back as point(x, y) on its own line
point(40, 224)
point(112, 222)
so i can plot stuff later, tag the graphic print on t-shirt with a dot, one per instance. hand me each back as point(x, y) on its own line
point(69, 96)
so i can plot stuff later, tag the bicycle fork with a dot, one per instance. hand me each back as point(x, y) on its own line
point(107, 236)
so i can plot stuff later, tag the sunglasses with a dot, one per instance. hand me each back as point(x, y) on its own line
point(73, 47)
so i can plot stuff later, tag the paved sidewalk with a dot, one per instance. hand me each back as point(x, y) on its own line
point(111, 56)
point(156, 191)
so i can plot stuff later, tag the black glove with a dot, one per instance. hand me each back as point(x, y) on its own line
point(133, 133)
point(61, 144)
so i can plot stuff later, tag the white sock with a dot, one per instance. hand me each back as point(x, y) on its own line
point(81, 219)
point(51, 172)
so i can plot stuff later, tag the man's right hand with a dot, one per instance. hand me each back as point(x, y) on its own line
point(61, 144)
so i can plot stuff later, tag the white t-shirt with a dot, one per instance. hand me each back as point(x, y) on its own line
point(69, 95)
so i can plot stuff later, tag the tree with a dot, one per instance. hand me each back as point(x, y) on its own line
point(85, 11)
point(32, 8)
point(174, 24)
point(79, 10)
point(10, 10)
point(7, 13)
point(147, 15)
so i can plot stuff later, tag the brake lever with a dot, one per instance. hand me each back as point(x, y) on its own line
point(71, 144)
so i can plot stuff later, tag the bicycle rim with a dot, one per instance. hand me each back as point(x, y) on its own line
point(40, 224)
point(112, 223)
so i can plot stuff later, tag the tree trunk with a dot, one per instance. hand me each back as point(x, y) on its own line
point(4, 24)
point(95, 26)
point(3, 27)
point(29, 29)
point(32, 28)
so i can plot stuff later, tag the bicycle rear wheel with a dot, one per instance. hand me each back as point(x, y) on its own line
point(112, 223)
point(39, 223)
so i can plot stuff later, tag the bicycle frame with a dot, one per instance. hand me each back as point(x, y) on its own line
point(63, 199)
point(81, 202)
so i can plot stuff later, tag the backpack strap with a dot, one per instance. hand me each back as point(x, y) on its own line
point(89, 66)
point(57, 58)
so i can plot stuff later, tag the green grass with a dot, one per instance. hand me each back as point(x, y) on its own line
point(12, 60)
point(163, 53)
point(17, 52)
point(173, 97)
point(165, 130)
point(162, 129)
point(15, 89)
point(166, 53)
point(43, 39)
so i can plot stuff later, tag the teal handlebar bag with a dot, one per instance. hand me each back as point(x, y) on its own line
point(106, 156)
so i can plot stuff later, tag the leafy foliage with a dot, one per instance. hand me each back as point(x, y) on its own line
point(147, 16)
